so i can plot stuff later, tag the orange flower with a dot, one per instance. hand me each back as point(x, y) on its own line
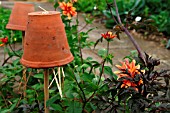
point(140, 82)
point(128, 83)
point(68, 9)
point(109, 35)
point(4, 41)
point(132, 69)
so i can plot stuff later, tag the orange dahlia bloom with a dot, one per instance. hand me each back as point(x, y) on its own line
point(4, 41)
point(68, 9)
point(108, 35)
point(132, 69)
point(128, 83)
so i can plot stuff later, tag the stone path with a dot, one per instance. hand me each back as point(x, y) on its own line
point(119, 48)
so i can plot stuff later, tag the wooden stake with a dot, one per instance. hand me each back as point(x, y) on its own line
point(23, 35)
point(46, 91)
point(24, 80)
point(24, 70)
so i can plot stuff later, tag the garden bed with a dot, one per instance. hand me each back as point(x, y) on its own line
point(110, 72)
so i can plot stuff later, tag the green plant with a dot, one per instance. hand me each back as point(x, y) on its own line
point(95, 7)
point(124, 6)
point(140, 92)
point(84, 89)
point(157, 10)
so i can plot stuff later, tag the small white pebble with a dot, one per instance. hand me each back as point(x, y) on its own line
point(138, 18)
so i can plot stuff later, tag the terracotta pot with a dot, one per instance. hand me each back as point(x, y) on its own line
point(45, 41)
point(19, 16)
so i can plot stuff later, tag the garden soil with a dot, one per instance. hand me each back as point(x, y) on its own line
point(119, 48)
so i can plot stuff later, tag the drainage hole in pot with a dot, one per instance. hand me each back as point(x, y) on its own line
point(53, 38)
point(62, 48)
point(27, 44)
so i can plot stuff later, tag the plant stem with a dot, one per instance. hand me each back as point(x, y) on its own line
point(103, 62)
point(84, 96)
point(135, 44)
point(81, 55)
point(125, 106)
point(14, 51)
point(129, 35)
point(4, 98)
point(6, 60)
point(107, 48)
point(83, 27)
point(4, 53)
point(84, 105)
point(117, 12)
point(18, 101)
point(91, 69)
point(87, 100)
point(111, 12)
point(81, 89)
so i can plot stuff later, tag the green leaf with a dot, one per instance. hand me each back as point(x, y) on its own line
point(108, 71)
point(39, 76)
point(99, 40)
point(74, 107)
point(90, 87)
point(37, 86)
point(5, 111)
point(77, 77)
point(56, 5)
point(85, 66)
point(56, 107)
point(109, 59)
point(16, 62)
point(52, 100)
point(102, 53)
point(87, 77)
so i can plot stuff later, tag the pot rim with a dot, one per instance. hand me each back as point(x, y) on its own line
point(32, 64)
point(15, 27)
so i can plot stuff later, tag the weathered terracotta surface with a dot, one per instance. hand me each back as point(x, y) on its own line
point(45, 41)
point(19, 16)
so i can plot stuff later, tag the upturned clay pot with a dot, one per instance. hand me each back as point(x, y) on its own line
point(19, 16)
point(45, 42)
